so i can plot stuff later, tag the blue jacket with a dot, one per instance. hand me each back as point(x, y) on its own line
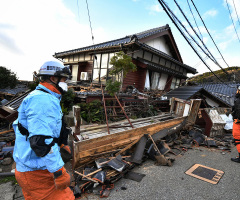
point(40, 113)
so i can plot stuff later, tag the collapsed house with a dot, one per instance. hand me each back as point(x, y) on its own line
point(212, 112)
point(102, 158)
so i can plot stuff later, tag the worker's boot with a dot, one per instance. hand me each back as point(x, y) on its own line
point(237, 159)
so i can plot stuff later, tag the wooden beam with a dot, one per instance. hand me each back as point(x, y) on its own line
point(8, 131)
point(85, 176)
point(86, 149)
point(128, 146)
point(152, 128)
point(107, 147)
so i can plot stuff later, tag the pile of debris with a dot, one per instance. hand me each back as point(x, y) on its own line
point(163, 147)
point(7, 138)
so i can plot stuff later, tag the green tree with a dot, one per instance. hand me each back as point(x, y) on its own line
point(112, 87)
point(122, 63)
point(7, 78)
point(67, 101)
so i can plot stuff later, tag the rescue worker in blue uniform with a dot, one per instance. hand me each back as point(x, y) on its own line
point(236, 124)
point(39, 166)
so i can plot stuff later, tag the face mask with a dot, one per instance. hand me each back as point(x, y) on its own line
point(63, 85)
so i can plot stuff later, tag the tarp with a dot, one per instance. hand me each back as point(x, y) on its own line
point(229, 121)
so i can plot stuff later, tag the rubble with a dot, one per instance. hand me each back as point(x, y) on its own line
point(101, 159)
point(163, 152)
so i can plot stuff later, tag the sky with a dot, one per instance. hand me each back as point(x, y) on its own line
point(31, 31)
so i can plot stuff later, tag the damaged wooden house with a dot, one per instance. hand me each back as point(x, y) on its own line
point(212, 110)
point(155, 53)
point(159, 67)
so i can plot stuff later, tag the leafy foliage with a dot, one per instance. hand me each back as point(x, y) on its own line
point(67, 101)
point(92, 112)
point(112, 87)
point(7, 78)
point(8, 179)
point(122, 63)
point(33, 85)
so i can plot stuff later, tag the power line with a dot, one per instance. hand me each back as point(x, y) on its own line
point(232, 20)
point(168, 11)
point(209, 33)
point(94, 53)
point(236, 12)
point(212, 57)
point(90, 22)
point(194, 19)
point(196, 65)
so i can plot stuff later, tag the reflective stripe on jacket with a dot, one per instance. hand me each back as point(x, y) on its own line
point(41, 114)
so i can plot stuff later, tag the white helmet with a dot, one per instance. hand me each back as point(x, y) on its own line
point(54, 68)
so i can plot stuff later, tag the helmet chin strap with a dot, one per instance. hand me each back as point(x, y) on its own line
point(57, 86)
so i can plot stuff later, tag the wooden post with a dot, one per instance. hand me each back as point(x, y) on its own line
point(77, 120)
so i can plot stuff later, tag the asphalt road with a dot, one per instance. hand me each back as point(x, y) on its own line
point(162, 182)
point(171, 183)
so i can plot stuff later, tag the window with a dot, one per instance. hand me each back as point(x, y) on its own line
point(102, 68)
point(177, 83)
point(173, 84)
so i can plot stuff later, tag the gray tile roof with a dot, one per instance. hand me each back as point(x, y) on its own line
point(187, 92)
point(184, 92)
point(13, 91)
point(156, 67)
point(134, 38)
point(117, 42)
point(190, 69)
point(226, 91)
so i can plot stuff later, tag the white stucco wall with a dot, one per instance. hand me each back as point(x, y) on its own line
point(160, 44)
point(147, 81)
point(162, 81)
point(74, 72)
point(211, 102)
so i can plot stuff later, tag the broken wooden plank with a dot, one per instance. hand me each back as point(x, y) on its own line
point(76, 172)
point(106, 147)
point(83, 149)
point(152, 128)
point(8, 131)
point(128, 146)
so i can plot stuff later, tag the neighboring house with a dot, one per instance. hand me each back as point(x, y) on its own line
point(155, 53)
point(224, 91)
point(198, 92)
point(212, 111)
